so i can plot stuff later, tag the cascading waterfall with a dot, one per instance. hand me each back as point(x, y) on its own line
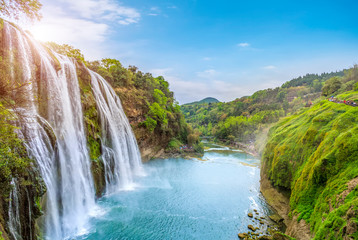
point(65, 166)
point(121, 155)
point(14, 212)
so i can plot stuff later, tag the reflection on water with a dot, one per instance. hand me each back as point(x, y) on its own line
point(184, 199)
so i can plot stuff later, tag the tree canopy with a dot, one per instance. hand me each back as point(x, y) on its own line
point(17, 8)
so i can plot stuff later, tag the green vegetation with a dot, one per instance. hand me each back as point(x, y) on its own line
point(337, 85)
point(147, 101)
point(68, 50)
point(314, 154)
point(13, 155)
point(242, 119)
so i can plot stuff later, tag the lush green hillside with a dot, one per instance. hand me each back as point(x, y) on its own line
point(205, 100)
point(241, 119)
point(314, 155)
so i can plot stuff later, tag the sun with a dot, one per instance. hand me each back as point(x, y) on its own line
point(40, 32)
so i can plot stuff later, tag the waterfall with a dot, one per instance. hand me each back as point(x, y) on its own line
point(121, 157)
point(14, 212)
point(56, 137)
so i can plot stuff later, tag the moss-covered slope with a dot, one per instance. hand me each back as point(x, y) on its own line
point(314, 155)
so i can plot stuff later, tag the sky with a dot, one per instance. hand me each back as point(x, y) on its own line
point(205, 48)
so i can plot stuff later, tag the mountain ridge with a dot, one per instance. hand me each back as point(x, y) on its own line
point(202, 101)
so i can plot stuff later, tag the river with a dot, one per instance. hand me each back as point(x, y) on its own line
point(185, 199)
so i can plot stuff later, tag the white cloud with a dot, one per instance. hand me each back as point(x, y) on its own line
point(206, 58)
point(269, 67)
point(188, 91)
point(210, 73)
point(154, 11)
point(104, 10)
point(244, 44)
point(193, 90)
point(161, 71)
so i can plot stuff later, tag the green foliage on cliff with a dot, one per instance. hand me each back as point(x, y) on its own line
point(15, 164)
point(149, 104)
point(314, 154)
point(241, 119)
point(67, 50)
point(13, 155)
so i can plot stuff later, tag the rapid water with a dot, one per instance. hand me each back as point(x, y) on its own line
point(185, 199)
point(121, 156)
point(56, 139)
point(14, 212)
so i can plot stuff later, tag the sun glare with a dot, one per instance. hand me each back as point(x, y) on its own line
point(40, 33)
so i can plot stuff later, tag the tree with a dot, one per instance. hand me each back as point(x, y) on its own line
point(281, 95)
point(332, 85)
point(316, 85)
point(17, 8)
point(68, 50)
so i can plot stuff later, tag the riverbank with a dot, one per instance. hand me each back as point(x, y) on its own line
point(248, 148)
point(160, 153)
point(280, 202)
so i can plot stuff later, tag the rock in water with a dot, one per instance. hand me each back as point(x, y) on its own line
point(252, 228)
point(242, 235)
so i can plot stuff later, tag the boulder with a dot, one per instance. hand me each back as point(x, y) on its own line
point(242, 235)
point(276, 218)
point(252, 228)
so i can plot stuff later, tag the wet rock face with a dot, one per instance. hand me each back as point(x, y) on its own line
point(26, 209)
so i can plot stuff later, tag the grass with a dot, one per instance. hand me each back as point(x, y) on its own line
point(314, 154)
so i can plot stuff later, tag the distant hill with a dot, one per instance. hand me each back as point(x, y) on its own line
point(205, 100)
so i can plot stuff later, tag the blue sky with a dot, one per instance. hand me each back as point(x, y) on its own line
point(223, 49)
